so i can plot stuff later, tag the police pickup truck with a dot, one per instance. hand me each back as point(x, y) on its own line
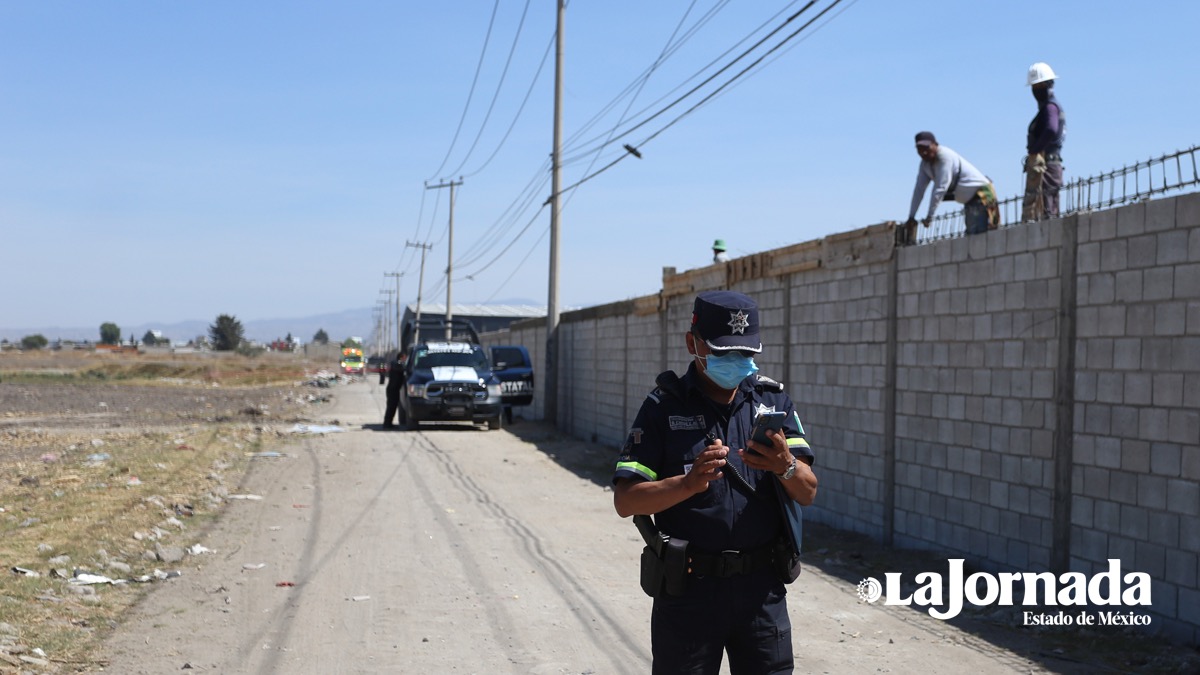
point(449, 381)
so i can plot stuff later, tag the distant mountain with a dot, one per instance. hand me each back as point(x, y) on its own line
point(338, 325)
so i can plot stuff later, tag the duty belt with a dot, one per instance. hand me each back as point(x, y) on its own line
point(729, 563)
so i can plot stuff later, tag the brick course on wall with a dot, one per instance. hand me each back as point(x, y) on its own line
point(1028, 399)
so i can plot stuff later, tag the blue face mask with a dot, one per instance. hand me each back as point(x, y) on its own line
point(727, 371)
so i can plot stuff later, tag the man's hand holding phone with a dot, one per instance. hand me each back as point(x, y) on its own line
point(768, 449)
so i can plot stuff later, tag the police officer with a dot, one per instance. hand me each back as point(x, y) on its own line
point(690, 435)
point(395, 381)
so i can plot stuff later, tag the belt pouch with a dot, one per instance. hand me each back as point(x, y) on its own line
point(653, 575)
point(675, 558)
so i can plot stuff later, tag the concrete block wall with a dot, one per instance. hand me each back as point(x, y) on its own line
point(1028, 399)
point(837, 337)
point(977, 322)
point(1136, 480)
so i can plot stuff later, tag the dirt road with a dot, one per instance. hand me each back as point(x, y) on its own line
point(455, 550)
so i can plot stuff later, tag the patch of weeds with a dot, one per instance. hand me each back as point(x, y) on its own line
point(88, 510)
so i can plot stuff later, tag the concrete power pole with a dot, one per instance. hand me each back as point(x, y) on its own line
point(386, 306)
point(551, 397)
point(420, 286)
point(397, 275)
point(449, 251)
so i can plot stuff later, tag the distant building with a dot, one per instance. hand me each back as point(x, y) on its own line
point(484, 318)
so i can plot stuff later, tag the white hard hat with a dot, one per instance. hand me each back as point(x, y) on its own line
point(1040, 72)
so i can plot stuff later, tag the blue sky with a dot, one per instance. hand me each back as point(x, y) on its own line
point(176, 161)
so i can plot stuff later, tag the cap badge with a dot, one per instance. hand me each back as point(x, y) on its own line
point(738, 322)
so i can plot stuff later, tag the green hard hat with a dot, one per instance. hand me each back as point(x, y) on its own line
point(719, 245)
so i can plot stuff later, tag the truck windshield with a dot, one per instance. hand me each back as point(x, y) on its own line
point(474, 360)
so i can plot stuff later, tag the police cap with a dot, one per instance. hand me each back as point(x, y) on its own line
point(727, 320)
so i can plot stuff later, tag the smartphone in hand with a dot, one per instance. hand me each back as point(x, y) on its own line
point(767, 421)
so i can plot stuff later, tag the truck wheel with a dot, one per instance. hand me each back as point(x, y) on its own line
point(494, 423)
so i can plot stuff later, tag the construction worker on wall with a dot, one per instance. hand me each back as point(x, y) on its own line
point(719, 254)
point(954, 178)
point(1043, 147)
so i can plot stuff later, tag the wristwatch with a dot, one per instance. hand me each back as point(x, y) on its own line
point(791, 471)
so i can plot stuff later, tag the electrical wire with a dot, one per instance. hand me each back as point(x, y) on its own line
point(507, 220)
point(496, 95)
point(536, 76)
point(654, 66)
point(471, 94)
point(570, 190)
point(712, 94)
point(483, 244)
point(709, 78)
point(793, 45)
point(641, 78)
point(518, 267)
point(583, 153)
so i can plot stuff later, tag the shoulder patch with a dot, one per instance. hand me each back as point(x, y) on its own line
point(765, 383)
point(655, 395)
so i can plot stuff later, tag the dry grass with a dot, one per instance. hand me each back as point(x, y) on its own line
point(69, 503)
point(225, 369)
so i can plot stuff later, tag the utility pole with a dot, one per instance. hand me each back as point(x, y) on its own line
point(386, 306)
point(378, 340)
point(420, 286)
point(551, 396)
point(397, 275)
point(449, 250)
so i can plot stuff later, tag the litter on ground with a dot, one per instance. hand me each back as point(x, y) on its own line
point(315, 429)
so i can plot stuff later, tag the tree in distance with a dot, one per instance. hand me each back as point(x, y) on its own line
point(226, 334)
point(149, 340)
point(37, 341)
point(110, 333)
point(321, 338)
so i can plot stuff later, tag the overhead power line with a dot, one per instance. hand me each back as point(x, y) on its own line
point(704, 82)
point(641, 78)
point(496, 94)
point(712, 94)
point(471, 94)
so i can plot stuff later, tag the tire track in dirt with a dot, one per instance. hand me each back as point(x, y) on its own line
point(613, 639)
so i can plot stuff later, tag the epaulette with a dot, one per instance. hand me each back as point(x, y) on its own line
point(765, 383)
point(669, 383)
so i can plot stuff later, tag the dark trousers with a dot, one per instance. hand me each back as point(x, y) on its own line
point(393, 402)
point(745, 616)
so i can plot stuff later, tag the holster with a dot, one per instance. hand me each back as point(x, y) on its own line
point(784, 560)
point(653, 573)
point(664, 563)
point(666, 575)
point(676, 566)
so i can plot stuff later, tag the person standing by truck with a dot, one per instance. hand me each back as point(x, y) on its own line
point(395, 380)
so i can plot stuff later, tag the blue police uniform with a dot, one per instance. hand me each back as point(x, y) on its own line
point(739, 609)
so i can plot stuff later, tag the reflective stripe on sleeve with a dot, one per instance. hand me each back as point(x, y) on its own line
point(797, 443)
point(639, 469)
